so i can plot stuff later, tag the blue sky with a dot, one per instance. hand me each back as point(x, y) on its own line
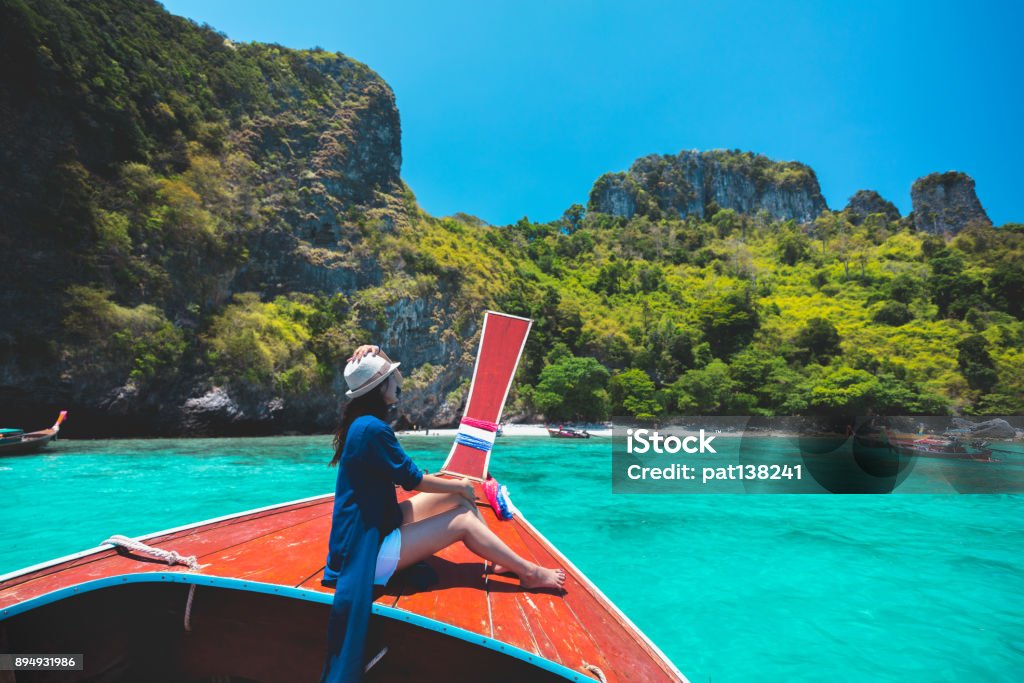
point(515, 108)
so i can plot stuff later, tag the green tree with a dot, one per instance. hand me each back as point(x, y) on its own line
point(573, 388)
point(633, 393)
point(840, 388)
point(729, 320)
point(952, 290)
point(1006, 288)
point(573, 218)
point(893, 313)
point(703, 391)
point(828, 225)
point(612, 277)
point(976, 363)
point(793, 245)
point(818, 340)
point(137, 343)
point(764, 375)
point(904, 288)
point(895, 396)
point(263, 344)
point(726, 222)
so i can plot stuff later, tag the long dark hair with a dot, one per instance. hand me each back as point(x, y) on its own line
point(371, 403)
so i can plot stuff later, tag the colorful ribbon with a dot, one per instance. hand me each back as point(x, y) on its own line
point(480, 424)
point(473, 442)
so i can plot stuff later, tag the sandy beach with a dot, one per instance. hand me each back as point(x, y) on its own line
point(602, 430)
point(605, 430)
point(511, 430)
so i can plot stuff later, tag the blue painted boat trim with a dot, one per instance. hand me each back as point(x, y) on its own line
point(395, 613)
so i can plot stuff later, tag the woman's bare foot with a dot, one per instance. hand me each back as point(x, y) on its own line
point(542, 577)
point(500, 569)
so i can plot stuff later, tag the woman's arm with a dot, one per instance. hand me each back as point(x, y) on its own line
point(432, 483)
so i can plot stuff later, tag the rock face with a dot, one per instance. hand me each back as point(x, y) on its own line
point(215, 407)
point(153, 160)
point(996, 428)
point(867, 202)
point(689, 183)
point(944, 203)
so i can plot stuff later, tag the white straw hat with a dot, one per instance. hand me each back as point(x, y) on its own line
point(368, 372)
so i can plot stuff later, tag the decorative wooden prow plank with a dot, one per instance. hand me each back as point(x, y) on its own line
point(501, 344)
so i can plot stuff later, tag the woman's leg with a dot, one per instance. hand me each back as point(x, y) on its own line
point(424, 505)
point(424, 538)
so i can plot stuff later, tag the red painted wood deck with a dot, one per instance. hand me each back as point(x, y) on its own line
point(287, 545)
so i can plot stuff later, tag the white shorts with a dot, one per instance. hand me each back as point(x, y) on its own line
point(387, 557)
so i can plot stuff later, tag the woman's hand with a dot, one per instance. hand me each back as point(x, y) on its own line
point(431, 483)
point(466, 490)
point(364, 350)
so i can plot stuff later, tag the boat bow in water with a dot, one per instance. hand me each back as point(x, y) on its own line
point(243, 601)
point(17, 442)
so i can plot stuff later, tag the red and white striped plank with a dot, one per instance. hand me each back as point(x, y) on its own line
point(502, 340)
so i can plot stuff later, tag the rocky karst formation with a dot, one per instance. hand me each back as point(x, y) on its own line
point(996, 428)
point(943, 203)
point(867, 202)
point(162, 169)
point(691, 182)
point(162, 187)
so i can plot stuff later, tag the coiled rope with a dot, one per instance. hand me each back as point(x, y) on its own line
point(596, 670)
point(171, 557)
point(168, 556)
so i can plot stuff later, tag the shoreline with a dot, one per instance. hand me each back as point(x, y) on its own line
point(527, 430)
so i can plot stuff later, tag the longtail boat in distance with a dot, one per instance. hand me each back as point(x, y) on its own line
point(239, 599)
point(562, 432)
point(17, 442)
point(942, 447)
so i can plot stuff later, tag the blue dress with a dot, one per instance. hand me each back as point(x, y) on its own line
point(365, 511)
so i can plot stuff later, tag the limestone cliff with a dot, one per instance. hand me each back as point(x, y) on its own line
point(867, 202)
point(943, 203)
point(688, 183)
point(196, 233)
point(150, 170)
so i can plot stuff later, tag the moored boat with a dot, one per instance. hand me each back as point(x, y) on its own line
point(941, 447)
point(562, 432)
point(17, 442)
point(239, 598)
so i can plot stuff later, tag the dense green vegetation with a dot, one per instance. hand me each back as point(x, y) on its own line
point(157, 148)
point(735, 315)
point(722, 316)
point(144, 82)
point(732, 315)
point(181, 158)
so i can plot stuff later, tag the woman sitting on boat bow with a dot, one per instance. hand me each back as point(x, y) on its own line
point(372, 535)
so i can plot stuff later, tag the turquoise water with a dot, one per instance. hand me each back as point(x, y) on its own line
point(731, 588)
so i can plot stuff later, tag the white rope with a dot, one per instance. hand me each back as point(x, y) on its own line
point(596, 670)
point(376, 659)
point(188, 608)
point(168, 556)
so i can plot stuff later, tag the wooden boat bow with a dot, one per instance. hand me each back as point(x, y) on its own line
point(255, 581)
point(281, 550)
